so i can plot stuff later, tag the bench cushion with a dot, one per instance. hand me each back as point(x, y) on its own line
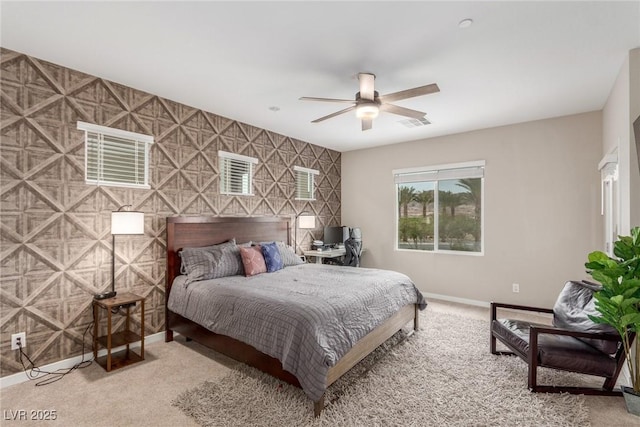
point(556, 351)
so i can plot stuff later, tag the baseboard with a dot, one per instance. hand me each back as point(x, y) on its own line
point(467, 301)
point(21, 377)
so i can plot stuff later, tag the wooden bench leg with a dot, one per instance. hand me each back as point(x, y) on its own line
point(609, 383)
point(533, 362)
point(318, 406)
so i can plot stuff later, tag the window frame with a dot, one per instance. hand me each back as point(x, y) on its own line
point(227, 156)
point(447, 172)
point(101, 132)
point(310, 176)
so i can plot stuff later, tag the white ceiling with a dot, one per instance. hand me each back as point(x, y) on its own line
point(519, 61)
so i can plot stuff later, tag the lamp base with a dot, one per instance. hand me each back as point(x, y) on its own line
point(105, 295)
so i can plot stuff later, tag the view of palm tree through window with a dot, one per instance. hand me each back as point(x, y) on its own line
point(450, 221)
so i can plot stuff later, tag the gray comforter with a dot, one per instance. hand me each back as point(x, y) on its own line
point(307, 316)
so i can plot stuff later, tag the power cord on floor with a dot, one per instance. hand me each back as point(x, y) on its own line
point(46, 378)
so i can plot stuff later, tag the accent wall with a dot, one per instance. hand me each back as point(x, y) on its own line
point(56, 241)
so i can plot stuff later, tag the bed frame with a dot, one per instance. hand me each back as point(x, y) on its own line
point(204, 231)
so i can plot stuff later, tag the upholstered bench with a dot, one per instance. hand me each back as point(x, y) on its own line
point(574, 343)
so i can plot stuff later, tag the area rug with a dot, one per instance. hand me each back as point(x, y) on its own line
point(442, 375)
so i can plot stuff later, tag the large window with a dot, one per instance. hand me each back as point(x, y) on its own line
point(439, 208)
point(116, 157)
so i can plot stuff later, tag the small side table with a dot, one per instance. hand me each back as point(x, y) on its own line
point(124, 300)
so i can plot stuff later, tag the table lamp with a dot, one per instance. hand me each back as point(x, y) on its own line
point(122, 222)
point(305, 221)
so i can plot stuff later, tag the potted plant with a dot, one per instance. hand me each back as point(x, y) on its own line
point(618, 302)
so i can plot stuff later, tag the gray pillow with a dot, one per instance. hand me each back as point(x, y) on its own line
point(288, 255)
point(212, 262)
point(227, 260)
point(198, 263)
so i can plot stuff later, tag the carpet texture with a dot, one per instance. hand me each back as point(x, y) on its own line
point(442, 375)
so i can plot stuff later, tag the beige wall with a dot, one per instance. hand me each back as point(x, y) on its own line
point(541, 208)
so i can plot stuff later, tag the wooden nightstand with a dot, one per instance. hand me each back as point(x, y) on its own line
point(126, 301)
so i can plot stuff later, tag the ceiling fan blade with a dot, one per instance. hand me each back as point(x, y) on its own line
point(410, 93)
point(310, 98)
point(367, 124)
point(337, 113)
point(401, 111)
point(366, 85)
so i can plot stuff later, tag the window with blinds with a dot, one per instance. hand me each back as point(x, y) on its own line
point(305, 183)
point(439, 208)
point(116, 157)
point(236, 173)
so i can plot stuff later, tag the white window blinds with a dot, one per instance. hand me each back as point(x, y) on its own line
point(438, 173)
point(116, 157)
point(236, 173)
point(305, 183)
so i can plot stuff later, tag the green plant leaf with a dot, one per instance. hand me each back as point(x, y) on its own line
point(618, 302)
point(598, 256)
point(632, 319)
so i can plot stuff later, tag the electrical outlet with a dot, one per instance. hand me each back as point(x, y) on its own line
point(516, 287)
point(20, 337)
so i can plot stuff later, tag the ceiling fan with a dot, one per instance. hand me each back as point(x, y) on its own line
point(368, 103)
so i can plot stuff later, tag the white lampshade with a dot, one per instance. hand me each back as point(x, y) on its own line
point(307, 221)
point(125, 222)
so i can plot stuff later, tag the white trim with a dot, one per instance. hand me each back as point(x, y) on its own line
point(21, 377)
point(471, 164)
point(307, 170)
point(467, 301)
point(240, 157)
point(90, 127)
point(611, 157)
point(111, 184)
point(440, 251)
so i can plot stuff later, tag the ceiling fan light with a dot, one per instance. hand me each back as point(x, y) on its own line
point(367, 111)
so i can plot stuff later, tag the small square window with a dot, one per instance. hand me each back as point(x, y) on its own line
point(305, 185)
point(116, 157)
point(236, 173)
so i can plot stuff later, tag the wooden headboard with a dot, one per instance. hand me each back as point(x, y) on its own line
point(198, 231)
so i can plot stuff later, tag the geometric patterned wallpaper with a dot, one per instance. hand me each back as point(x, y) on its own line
point(55, 241)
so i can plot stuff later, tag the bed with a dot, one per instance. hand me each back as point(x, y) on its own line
point(196, 232)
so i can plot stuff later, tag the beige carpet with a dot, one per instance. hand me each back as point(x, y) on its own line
point(441, 376)
point(142, 394)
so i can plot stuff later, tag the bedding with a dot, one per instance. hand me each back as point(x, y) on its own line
point(307, 316)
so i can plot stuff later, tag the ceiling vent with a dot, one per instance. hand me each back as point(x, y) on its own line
point(412, 123)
